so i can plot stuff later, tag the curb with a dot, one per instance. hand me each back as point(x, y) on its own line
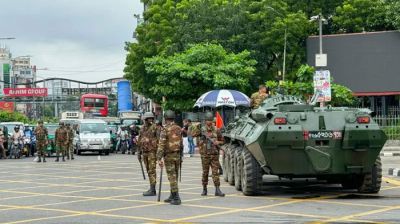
point(390, 154)
point(394, 172)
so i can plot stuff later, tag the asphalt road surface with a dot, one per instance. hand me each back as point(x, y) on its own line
point(109, 190)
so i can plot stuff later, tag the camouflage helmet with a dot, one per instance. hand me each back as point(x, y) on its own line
point(148, 115)
point(158, 122)
point(209, 116)
point(169, 114)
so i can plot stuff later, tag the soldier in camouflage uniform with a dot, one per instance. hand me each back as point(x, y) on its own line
point(209, 151)
point(61, 139)
point(41, 134)
point(258, 97)
point(70, 147)
point(169, 147)
point(147, 143)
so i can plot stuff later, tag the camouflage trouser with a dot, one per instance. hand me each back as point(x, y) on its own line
point(150, 161)
point(171, 161)
point(212, 161)
point(69, 149)
point(40, 147)
point(61, 149)
point(3, 151)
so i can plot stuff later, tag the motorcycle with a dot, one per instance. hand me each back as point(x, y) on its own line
point(26, 146)
point(16, 148)
point(124, 145)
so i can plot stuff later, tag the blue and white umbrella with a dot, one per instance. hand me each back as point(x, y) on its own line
point(223, 97)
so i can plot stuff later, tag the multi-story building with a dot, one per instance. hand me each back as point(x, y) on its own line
point(5, 68)
point(23, 71)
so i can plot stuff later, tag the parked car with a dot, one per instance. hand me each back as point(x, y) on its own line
point(93, 135)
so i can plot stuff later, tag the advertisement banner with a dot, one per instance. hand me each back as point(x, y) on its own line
point(8, 106)
point(322, 85)
point(25, 92)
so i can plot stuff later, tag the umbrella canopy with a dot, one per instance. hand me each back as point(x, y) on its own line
point(223, 97)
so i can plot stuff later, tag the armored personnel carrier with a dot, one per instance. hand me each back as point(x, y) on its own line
point(291, 139)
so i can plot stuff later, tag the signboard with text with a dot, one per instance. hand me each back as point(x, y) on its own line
point(7, 106)
point(25, 92)
point(81, 91)
point(322, 85)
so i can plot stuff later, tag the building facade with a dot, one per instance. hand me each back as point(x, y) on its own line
point(366, 63)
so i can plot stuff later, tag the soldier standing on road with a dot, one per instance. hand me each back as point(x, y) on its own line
point(61, 139)
point(168, 152)
point(70, 148)
point(148, 149)
point(3, 150)
point(258, 97)
point(41, 134)
point(209, 151)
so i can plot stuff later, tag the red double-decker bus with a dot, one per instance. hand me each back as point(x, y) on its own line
point(95, 104)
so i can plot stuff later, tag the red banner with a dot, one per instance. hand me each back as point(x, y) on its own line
point(25, 92)
point(8, 106)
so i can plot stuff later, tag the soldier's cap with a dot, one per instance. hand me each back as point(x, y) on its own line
point(209, 116)
point(169, 114)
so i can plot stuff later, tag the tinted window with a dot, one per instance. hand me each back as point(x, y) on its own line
point(93, 128)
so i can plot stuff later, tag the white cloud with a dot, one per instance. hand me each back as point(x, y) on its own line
point(68, 36)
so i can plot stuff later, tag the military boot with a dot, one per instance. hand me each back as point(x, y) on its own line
point(176, 200)
point(151, 191)
point(44, 159)
point(39, 160)
point(204, 193)
point(169, 199)
point(218, 192)
point(57, 160)
point(63, 159)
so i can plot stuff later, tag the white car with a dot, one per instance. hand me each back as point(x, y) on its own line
point(93, 135)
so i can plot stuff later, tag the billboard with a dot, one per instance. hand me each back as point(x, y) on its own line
point(322, 85)
point(7, 106)
point(25, 92)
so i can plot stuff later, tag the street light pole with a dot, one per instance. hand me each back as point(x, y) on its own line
point(284, 55)
point(320, 33)
point(285, 44)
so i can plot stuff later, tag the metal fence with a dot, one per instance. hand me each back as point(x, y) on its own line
point(390, 124)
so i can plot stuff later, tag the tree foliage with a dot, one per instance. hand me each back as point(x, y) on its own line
point(6, 116)
point(183, 77)
point(257, 27)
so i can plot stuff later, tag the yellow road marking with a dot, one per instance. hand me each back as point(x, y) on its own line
point(391, 181)
point(345, 218)
point(41, 219)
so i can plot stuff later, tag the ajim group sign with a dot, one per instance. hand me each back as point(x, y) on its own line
point(25, 92)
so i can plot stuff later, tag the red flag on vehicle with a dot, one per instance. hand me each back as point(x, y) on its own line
point(219, 122)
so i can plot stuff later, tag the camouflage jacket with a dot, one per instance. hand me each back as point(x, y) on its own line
point(194, 130)
point(70, 133)
point(148, 138)
point(61, 136)
point(41, 133)
point(207, 147)
point(257, 99)
point(170, 140)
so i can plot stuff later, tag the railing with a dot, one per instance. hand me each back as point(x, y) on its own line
point(390, 124)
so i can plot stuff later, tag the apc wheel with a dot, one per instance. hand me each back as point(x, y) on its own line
point(251, 174)
point(225, 164)
point(231, 173)
point(238, 169)
point(372, 181)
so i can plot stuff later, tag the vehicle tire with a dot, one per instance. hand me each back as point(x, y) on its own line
point(238, 168)
point(251, 174)
point(231, 173)
point(225, 164)
point(107, 152)
point(372, 181)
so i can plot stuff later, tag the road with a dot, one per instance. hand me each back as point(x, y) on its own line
point(109, 190)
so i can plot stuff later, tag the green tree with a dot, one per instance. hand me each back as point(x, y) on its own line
point(361, 15)
point(183, 77)
point(393, 13)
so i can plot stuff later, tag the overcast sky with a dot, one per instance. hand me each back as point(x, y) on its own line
point(77, 39)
